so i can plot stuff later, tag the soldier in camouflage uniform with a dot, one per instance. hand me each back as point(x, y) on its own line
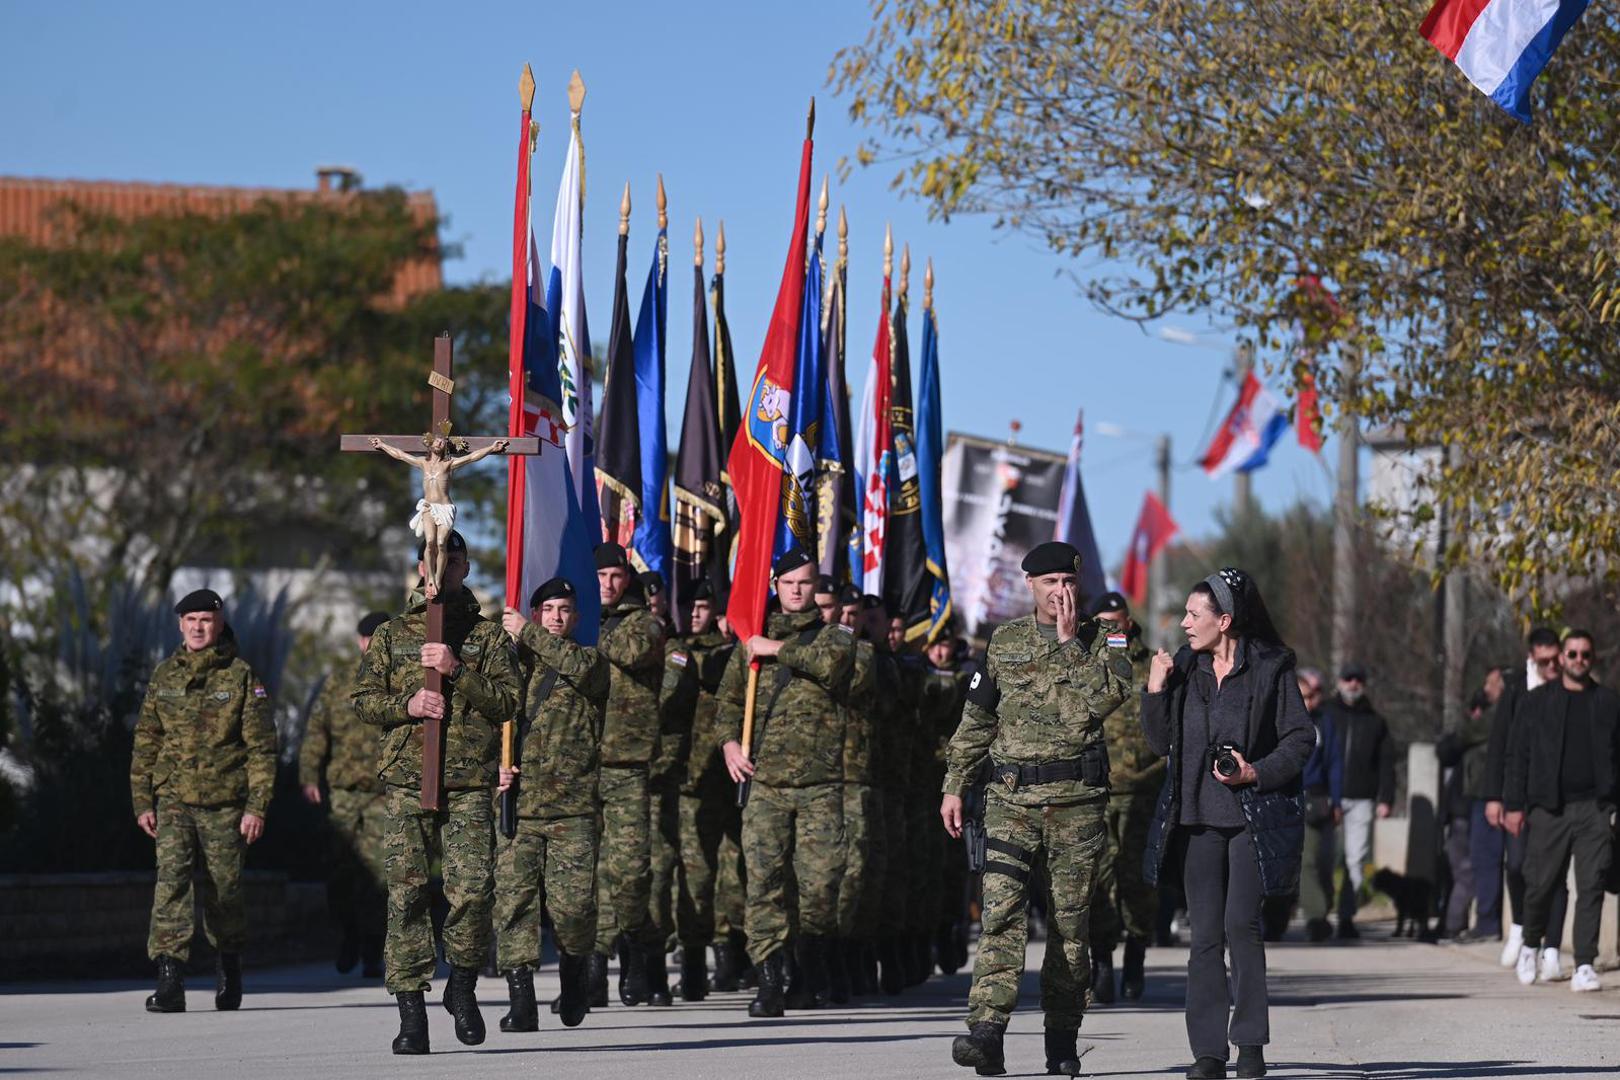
point(482, 689)
point(200, 777)
point(859, 892)
point(945, 900)
point(677, 697)
point(894, 730)
point(342, 750)
point(633, 642)
point(711, 824)
point(795, 807)
point(1122, 900)
point(1038, 709)
point(552, 855)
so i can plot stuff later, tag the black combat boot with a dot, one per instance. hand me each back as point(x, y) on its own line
point(1207, 1068)
point(461, 1002)
point(1133, 980)
point(348, 954)
point(794, 984)
point(1251, 1061)
point(724, 980)
point(228, 982)
point(835, 949)
point(1102, 977)
point(694, 974)
point(855, 968)
point(1062, 1053)
point(922, 950)
point(658, 976)
point(771, 998)
point(524, 1015)
point(632, 972)
point(945, 949)
point(596, 980)
point(981, 1049)
point(413, 1029)
point(170, 995)
point(371, 956)
point(893, 977)
point(747, 974)
point(813, 968)
point(573, 1001)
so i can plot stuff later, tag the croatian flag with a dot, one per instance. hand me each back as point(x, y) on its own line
point(1501, 45)
point(1252, 428)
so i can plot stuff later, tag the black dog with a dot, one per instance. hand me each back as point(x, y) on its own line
point(1412, 898)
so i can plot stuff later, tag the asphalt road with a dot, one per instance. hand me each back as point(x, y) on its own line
point(1377, 1008)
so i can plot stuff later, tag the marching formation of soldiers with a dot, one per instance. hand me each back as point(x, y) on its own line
point(809, 859)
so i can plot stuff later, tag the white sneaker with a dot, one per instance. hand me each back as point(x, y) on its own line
point(1551, 969)
point(1585, 979)
point(1515, 941)
point(1525, 969)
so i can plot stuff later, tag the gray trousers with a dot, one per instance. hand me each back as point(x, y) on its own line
point(1223, 904)
point(1459, 856)
point(1581, 831)
point(1316, 872)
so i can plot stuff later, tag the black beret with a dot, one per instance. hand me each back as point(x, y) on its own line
point(200, 600)
point(369, 624)
point(557, 588)
point(1109, 601)
point(652, 582)
point(610, 556)
point(790, 560)
point(455, 543)
point(848, 595)
point(870, 602)
point(1052, 557)
point(1353, 671)
point(704, 591)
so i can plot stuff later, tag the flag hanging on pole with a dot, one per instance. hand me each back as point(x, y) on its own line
point(906, 582)
point(1154, 529)
point(652, 544)
point(618, 461)
point(837, 530)
point(930, 462)
point(726, 407)
point(1251, 429)
point(565, 300)
point(757, 457)
point(1501, 45)
point(873, 449)
point(700, 513)
point(805, 409)
point(516, 345)
point(1074, 521)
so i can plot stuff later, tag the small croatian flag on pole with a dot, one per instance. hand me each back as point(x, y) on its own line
point(1501, 45)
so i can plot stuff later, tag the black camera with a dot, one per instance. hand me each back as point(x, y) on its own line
point(1221, 756)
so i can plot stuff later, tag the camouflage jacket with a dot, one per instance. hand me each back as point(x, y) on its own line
point(1132, 764)
point(204, 735)
point(677, 699)
point(859, 707)
point(709, 656)
point(939, 710)
point(893, 710)
point(633, 642)
point(798, 733)
point(1053, 699)
point(336, 742)
point(559, 739)
point(483, 696)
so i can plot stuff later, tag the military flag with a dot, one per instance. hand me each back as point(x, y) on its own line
point(873, 449)
point(652, 545)
point(1154, 529)
point(905, 556)
point(700, 512)
point(1074, 520)
point(837, 529)
point(805, 409)
point(757, 457)
point(618, 462)
point(725, 399)
point(930, 460)
point(565, 300)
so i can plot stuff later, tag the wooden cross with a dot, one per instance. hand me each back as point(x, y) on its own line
point(443, 385)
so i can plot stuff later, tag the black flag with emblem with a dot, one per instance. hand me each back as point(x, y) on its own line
point(700, 508)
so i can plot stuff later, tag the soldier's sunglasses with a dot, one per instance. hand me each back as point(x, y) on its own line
point(1577, 654)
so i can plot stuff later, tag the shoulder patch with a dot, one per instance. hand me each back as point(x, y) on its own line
point(471, 648)
point(1117, 640)
point(170, 692)
point(850, 630)
point(259, 691)
point(678, 658)
point(983, 692)
point(221, 695)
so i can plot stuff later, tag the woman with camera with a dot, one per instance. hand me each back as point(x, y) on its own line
point(1227, 714)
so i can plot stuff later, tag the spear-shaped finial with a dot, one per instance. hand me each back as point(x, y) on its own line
point(821, 209)
point(720, 248)
point(576, 94)
point(843, 236)
point(697, 244)
point(928, 284)
point(810, 123)
point(905, 268)
point(624, 211)
point(888, 250)
point(663, 205)
point(526, 89)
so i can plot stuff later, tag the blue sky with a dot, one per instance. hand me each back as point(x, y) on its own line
point(711, 95)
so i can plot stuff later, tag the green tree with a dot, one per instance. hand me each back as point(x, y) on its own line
point(1213, 152)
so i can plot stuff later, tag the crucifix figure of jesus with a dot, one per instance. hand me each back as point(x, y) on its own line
point(435, 516)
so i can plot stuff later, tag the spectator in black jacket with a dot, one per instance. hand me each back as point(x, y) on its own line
point(1563, 771)
point(1540, 665)
point(1368, 756)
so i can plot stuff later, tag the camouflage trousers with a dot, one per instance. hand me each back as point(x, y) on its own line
point(354, 886)
point(1123, 902)
point(624, 856)
point(798, 832)
point(857, 889)
point(1069, 840)
point(711, 879)
point(550, 863)
point(193, 839)
point(664, 859)
point(897, 864)
point(925, 844)
point(461, 836)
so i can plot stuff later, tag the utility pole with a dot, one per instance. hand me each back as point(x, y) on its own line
point(1157, 603)
point(1454, 635)
point(1243, 492)
point(1346, 512)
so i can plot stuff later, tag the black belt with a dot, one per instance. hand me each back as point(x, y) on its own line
point(1045, 773)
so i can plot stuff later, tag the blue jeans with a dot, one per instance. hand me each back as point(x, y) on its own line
point(1485, 849)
